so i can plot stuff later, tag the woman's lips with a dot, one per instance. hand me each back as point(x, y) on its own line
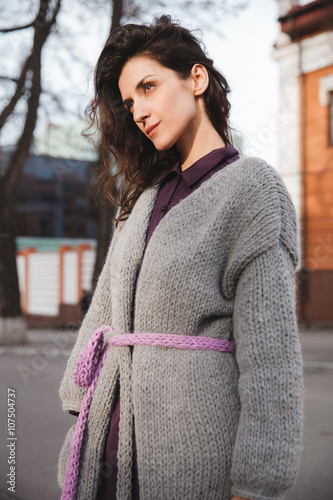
point(153, 130)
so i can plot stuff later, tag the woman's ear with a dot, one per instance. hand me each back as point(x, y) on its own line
point(200, 79)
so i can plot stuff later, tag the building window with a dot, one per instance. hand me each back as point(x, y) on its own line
point(331, 118)
point(44, 228)
point(80, 230)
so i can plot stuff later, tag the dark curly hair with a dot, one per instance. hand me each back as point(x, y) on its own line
point(126, 152)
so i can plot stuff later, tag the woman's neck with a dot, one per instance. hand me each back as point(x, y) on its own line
point(200, 139)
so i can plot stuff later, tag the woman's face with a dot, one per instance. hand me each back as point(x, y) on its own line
point(164, 107)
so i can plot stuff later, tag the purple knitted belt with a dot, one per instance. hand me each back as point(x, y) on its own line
point(88, 368)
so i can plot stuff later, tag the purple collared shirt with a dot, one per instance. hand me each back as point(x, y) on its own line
point(175, 186)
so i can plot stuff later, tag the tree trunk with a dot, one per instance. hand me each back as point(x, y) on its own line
point(12, 322)
point(117, 13)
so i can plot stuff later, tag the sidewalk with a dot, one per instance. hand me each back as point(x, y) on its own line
point(47, 341)
point(317, 348)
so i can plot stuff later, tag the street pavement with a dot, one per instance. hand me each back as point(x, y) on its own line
point(35, 370)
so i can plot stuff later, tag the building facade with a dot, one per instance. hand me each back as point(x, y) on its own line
point(304, 51)
point(54, 199)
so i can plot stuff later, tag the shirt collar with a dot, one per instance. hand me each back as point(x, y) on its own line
point(202, 166)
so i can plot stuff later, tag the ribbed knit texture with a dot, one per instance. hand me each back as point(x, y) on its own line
point(220, 264)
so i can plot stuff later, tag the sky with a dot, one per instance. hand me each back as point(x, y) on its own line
point(241, 46)
point(245, 58)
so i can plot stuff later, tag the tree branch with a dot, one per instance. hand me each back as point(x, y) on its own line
point(2, 77)
point(7, 111)
point(16, 28)
point(39, 20)
point(17, 161)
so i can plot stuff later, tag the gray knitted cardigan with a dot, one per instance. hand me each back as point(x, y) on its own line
point(220, 264)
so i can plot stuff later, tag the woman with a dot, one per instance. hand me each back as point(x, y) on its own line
point(203, 259)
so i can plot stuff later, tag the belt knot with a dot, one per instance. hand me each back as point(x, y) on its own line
point(88, 360)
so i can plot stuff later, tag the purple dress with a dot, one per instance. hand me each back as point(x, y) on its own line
point(175, 186)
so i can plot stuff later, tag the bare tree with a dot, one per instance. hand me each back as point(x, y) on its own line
point(27, 86)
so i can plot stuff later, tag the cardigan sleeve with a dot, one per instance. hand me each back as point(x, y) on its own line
point(268, 443)
point(267, 449)
point(98, 314)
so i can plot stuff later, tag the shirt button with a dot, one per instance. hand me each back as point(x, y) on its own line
point(163, 209)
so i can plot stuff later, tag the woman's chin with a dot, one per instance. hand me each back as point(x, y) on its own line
point(163, 146)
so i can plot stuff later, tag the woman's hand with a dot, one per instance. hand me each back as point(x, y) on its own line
point(236, 497)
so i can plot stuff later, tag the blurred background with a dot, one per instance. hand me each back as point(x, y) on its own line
point(277, 56)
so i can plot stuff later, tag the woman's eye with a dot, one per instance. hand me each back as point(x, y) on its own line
point(147, 86)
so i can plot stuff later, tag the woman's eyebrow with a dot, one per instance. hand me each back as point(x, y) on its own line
point(139, 86)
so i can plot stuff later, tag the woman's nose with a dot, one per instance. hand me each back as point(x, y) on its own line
point(140, 112)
